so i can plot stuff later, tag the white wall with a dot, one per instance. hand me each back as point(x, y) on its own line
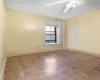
point(25, 33)
point(73, 34)
point(83, 32)
point(2, 24)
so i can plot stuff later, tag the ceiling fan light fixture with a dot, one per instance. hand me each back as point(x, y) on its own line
point(80, 2)
point(76, 3)
point(57, 2)
point(68, 4)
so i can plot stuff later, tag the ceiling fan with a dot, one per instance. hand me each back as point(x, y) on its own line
point(68, 4)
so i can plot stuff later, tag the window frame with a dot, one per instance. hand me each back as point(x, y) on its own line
point(57, 25)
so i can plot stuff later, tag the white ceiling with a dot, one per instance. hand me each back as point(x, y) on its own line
point(55, 11)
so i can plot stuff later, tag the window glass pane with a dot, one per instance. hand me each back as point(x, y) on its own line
point(53, 37)
point(48, 37)
point(47, 28)
point(50, 34)
point(46, 41)
point(52, 28)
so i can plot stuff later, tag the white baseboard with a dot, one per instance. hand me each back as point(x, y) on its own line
point(2, 70)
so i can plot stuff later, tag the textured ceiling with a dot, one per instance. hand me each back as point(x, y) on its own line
point(55, 11)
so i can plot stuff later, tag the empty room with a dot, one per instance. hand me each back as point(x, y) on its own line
point(49, 39)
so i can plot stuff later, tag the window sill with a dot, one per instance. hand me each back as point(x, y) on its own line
point(51, 44)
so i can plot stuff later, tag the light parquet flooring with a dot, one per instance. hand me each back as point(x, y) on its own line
point(55, 65)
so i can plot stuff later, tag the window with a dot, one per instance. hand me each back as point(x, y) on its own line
point(51, 34)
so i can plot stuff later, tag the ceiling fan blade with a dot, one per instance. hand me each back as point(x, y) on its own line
point(57, 2)
point(67, 8)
